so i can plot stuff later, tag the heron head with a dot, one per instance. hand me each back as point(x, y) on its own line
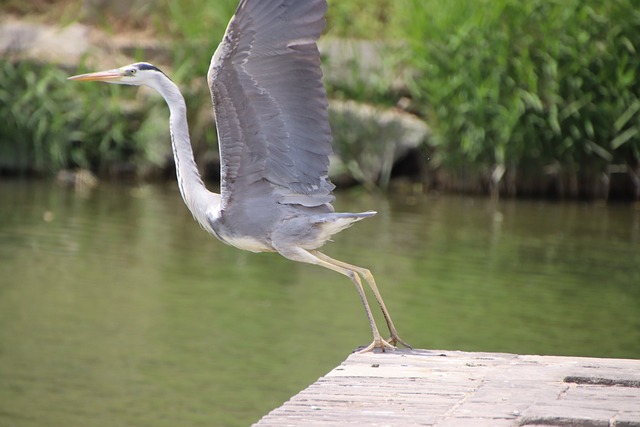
point(137, 74)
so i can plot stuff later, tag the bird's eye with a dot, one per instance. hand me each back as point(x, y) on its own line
point(132, 71)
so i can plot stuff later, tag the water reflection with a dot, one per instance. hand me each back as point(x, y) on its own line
point(116, 309)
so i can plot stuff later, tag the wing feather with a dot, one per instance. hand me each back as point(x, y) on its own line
point(270, 104)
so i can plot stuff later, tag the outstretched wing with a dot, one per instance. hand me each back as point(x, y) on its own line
point(270, 104)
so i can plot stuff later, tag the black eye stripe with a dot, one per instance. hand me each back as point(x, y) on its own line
point(145, 66)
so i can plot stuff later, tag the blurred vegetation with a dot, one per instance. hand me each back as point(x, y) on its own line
point(48, 124)
point(514, 88)
point(515, 91)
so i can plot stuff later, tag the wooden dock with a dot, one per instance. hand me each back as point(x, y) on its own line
point(452, 388)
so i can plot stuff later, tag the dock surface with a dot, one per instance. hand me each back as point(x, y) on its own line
point(452, 388)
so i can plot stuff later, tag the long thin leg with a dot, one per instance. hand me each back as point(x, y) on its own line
point(368, 277)
point(302, 255)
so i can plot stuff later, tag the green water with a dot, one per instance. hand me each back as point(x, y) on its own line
point(116, 309)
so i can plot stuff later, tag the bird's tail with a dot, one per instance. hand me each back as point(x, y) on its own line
point(354, 216)
point(335, 222)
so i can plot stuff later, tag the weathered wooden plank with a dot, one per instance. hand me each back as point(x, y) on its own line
point(451, 389)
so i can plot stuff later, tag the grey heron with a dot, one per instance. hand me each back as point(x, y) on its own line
point(271, 114)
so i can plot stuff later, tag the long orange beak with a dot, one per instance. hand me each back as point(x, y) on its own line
point(100, 76)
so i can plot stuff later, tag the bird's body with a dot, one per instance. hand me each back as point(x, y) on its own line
point(271, 114)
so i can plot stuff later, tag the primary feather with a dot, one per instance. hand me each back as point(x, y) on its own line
point(270, 104)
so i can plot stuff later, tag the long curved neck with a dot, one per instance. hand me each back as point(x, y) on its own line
point(195, 195)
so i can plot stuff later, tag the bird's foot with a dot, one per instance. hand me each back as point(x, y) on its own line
point(378, 342)
point(395, 339)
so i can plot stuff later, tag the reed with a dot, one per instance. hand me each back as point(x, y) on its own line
point(517, 86)
point(48, 124)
